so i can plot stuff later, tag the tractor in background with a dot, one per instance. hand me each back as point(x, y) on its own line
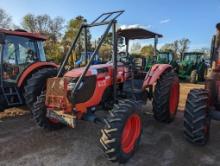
point(23, 67)
point(192, 67)
point(203, 105)
point(77, 94)
point(140, 62)
point(162, 58)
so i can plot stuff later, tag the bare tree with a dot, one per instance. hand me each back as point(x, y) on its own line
point(5, 19)
point(183, 46)
point(50, 27)
point(29, 23)
point(178, 47)
point(44, 24)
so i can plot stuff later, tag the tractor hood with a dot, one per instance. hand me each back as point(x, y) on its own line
point(94, 70)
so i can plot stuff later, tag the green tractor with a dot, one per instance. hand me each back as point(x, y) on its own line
point(161, 58)
point(192, 67)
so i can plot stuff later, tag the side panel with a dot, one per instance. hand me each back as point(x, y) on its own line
point(103, 81)
point(153, 75)
point(30, 69)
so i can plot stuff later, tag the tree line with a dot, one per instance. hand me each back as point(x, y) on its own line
point(61, 34)
point(177, 47)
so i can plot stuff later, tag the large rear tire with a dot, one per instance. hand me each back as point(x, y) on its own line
point(196, 119)
point(39, 115)
point(36, 84)
point(121, 134)
point(166, 97)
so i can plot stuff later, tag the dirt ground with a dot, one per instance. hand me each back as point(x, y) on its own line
point(23, 143)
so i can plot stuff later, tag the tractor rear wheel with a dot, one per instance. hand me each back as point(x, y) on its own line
point(39, 114)
point(37, 83)
point(166, 97)
point(196, 120)
point(121, 134)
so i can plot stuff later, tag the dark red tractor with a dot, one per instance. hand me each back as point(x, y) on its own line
point(202, 105)
point(22, 63)
point(77, 94)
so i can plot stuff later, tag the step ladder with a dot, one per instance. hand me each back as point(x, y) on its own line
point(12, 96)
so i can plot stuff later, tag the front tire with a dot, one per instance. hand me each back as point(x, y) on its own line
point(39, 115)
point(121, 134)
point(166, 97)
point(37, 83)
point(196, 119)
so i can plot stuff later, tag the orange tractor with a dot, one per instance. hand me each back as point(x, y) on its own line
point(76, 94)
point(203, 105)
point(22, 62)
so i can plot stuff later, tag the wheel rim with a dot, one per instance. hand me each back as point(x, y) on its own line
point(131, 133)
point(174, 97)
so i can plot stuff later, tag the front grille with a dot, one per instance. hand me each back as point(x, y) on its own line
point(56, 94)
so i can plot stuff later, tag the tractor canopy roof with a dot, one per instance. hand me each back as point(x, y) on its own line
point(23, 33)
point(194, 53)
point(137, 33)
point(165, 52)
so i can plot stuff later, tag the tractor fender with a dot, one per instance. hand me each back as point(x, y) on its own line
point(154, 74)
point(31, 69)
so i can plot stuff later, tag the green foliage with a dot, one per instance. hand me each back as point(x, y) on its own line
point(147, 51)
point(104, 52)
point(52, 28)
point(54, 50)
point(71, 32)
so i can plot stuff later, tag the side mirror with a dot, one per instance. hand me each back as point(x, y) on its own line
point(2, 38)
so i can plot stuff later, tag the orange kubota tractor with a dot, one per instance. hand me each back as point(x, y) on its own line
point(22, 62)
point(203, 105)
point(76, 94)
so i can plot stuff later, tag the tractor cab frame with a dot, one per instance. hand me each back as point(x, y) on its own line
point(139, 34)
point(21, 54)
point(164, 57)
point(192, 57)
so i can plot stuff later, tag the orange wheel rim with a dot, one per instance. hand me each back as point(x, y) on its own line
point(131, 133)
point(174, 97)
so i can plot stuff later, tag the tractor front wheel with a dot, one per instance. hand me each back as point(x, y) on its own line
point(166, 97)
point(122, 131)
point(39, 112)
point(196, 119)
